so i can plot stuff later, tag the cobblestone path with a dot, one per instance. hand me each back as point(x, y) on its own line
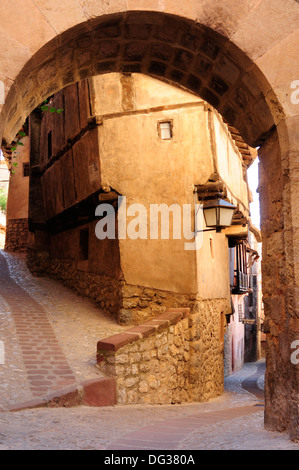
point(233, 421)
point(45, 363)
point(50, 333)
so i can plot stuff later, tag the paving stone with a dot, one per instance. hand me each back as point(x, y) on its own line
point(232, 421)
point(48, 331)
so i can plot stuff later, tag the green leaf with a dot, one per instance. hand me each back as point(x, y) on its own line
point(15, 164)
point(52, 110)
point(20, 143)
point(59, 110)
point(13, 149)
point(22, 134)
point(44, 108)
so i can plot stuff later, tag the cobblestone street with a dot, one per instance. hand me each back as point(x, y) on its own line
point(50, 336)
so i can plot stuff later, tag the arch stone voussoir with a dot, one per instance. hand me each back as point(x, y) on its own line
point(170, 48)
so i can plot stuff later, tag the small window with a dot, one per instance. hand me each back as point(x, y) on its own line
point(165, 130)
point(26, 168)
point(84, 245)
point(49, 144)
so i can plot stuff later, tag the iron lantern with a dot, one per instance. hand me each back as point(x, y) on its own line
point(218, 214)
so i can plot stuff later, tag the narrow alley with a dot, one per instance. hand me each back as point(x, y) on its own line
point(145, 272)
point(49, 335)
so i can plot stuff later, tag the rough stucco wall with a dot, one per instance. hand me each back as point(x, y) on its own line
point(148, 155)
point(110, 92)
point(136, 163)
point(229, 161)
point(96, 278)
point(139, 165)
point(104, 254)
point(213, 267)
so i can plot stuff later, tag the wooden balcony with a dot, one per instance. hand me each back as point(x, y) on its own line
point(241, 283)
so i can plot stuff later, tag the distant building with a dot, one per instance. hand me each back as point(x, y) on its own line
point(4, 173)
point(4, 181)
point(242, 338)
point(18, 197)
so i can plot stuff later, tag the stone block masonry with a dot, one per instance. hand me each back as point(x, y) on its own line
point(162, 361)
point(102, 290)
point(16, 235)
point(182, 363)
point(179, 50)
point(129, 304)
point(138, 304)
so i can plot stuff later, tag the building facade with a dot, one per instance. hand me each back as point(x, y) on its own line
point(131, 138)
point(243, 332)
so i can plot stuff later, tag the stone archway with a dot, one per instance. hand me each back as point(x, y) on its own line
point(174, 49)
point(237, 73)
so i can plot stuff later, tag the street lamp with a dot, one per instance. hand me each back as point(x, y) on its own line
point(218, 214)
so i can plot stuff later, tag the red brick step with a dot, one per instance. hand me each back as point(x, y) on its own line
point(94, 392)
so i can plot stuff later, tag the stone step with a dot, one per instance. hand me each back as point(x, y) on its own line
point(94, 392)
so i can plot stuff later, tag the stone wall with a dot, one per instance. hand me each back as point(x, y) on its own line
point(16, 235)
point(172, 355)
point(134, 305)
point(127, 303)
point(182, 50)
point(102, 290)
point(170, 359)
point(228, 366)
point(138, 303)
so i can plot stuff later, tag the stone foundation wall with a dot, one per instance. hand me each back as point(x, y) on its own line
point(194, 347)
point(279, 209)
point(228, 367)
point(172, 355)
point(170, 359)
point(16, 235)
point(139, 304)
point(130, 305)
point(102, 290)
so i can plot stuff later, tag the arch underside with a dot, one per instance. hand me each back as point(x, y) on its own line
point(169, 48)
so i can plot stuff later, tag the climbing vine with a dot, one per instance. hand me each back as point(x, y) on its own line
point(45, 107)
